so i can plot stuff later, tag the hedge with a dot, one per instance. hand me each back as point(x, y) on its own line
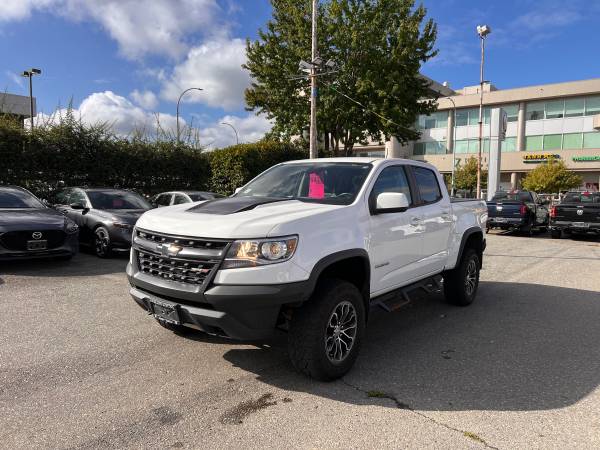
point(74, 154)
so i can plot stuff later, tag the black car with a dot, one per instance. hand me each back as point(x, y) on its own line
point(106, 217)
point(577, 213)
point(179, 197)
point(517, 210)
point(29, 229)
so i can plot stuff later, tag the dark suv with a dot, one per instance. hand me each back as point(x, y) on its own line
point(105, 216)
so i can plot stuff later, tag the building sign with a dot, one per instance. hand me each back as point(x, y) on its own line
point(586, 158)
point(539, 157)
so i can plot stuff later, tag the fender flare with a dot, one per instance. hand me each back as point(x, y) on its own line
point(466, 235)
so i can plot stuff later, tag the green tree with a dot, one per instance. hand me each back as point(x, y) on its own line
point(465, 176)
point(551, 176)
point(378, 46)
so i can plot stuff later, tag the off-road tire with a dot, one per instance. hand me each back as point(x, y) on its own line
point(309, 328)
point(457, 290)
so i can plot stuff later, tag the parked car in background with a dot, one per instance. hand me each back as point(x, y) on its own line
point(180, 197)
point(517, 210)
point(105, 216)
point(308, 246)
point(29, 229)
point(577, 213)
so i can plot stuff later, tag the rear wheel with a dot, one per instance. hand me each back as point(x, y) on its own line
point(326, 332)
point(461, 283)
point(102, 246)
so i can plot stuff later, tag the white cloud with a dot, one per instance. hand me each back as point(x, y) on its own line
point(250, 129)
point(145, 99)
point(17, 79)
point(139, 27)
point(120, 113)
point(216, 68)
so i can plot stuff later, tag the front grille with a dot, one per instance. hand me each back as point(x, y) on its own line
point(17, 240)
point(184, 271)
point(186, 242)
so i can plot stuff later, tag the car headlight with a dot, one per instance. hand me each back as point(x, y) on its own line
point(71, 227)
point(260, 252)
point(123, 226)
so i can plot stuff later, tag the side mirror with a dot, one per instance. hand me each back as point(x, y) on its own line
point(77, 206)
point(391, 202)
point(238, 189)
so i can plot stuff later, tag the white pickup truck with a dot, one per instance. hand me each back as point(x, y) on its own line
point(308, 246)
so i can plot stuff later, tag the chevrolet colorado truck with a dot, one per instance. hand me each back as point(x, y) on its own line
point(577, 213)
point(308, 247)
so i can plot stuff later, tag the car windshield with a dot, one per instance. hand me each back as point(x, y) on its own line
point(334, 183)
point(512, 196)
point(17, 199)
point(582, 197)
point(117, 200)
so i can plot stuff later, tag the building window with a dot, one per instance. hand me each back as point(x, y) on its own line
point(512, 112)
point(462, 117)
point(535, 111)
point(534, 143)
point(591, 140)
point(592, 106)
point(552, 142)
point(509, 144)
point(574, 107)
point(471, 146)
point(474, 116)
point(430, 148)
point(434, 120)
point(461, 146)
point(572, 140)
point(555, 109)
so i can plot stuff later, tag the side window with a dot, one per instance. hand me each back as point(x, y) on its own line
point(61, 197)
point(392, 179)
point(78, 197)
point(179, 199)
point(427, 183)
point(163, 200)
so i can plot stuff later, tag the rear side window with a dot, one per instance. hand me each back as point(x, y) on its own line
point(179, 199)
point(427, 183)
point(392, 179)
point(163, 200)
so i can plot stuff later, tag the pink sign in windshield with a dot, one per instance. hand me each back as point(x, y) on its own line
point(316, 188)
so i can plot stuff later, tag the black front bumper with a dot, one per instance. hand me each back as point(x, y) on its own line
point(243, 312)
point(69, 247)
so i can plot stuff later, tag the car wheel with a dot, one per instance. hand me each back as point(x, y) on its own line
point(326, 332)
point(462, 282)
point(179, 329)
point(556, 234)
point(102, 247)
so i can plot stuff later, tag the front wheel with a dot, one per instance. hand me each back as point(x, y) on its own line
point(462, 282)
point(326, 332)
point(102, 246)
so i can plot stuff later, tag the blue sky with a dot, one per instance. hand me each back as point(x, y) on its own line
point(126, 60)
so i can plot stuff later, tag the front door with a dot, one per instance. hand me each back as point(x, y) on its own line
point(395, 243)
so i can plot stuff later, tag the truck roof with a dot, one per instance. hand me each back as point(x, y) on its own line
point(357, 159)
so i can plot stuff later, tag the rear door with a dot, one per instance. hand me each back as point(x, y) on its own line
point(435, 212)
point(395, 243)
point(79, 215)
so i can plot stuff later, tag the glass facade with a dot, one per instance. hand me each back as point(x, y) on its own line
point(509, 144)
point(430, 148)
point(591, 140)
point(434, 120)
point(556, 109)
point(470, 116)
point(471, 146)
point(568, 141)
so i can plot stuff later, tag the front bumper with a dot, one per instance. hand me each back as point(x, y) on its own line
point(69, 247)
point(243, 312)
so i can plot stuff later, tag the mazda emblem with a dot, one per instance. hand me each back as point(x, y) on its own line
point(36, 235)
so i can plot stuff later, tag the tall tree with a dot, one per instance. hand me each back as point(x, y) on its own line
point(465, 176)
point(551, 177)
point(376, 91)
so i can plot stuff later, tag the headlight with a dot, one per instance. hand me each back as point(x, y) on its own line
point(71, 227)
point(260, 252)
point(123, 226)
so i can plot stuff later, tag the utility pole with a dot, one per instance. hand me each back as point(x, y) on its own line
point(29, 74)
point(314, 152)
point(482, 31)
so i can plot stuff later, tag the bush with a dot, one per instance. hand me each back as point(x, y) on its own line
point(79, 155)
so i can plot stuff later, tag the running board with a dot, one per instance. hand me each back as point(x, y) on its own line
point(395, 300)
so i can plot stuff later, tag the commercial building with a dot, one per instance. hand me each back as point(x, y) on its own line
point(17, 106)
point(559, 120)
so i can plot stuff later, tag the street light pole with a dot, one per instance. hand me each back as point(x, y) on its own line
point(452, 189)
point(237, 140)
point(313, 86)
point(29, 74)
point(482, 31)
point(179, 100)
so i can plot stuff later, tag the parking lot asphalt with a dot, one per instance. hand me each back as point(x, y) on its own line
point(82, 366)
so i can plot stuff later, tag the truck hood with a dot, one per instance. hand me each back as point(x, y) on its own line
point(230, 218)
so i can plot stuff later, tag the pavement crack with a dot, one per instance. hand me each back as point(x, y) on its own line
point(401, 405)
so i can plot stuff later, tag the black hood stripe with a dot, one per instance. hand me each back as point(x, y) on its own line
point(232, 205)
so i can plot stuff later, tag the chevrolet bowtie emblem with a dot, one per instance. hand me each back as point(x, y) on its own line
point(169, 250)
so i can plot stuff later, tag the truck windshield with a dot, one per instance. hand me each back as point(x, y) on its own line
point(110, 199)
point(334, 183)
point(515, 197)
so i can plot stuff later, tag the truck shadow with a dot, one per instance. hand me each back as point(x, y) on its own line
point(519, 347)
